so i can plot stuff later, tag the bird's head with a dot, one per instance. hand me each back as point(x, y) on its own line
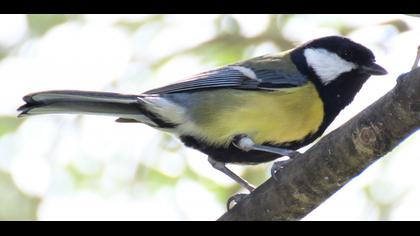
point(328, 58)
point(338, 67)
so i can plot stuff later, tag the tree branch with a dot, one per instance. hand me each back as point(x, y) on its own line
point(314, 176)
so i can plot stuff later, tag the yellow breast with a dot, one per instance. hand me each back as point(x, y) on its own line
point(279, 116)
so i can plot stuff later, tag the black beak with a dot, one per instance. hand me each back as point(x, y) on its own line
point(374, 69)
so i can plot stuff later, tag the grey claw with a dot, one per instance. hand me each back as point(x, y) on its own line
point(235, 199)
point(278, 165)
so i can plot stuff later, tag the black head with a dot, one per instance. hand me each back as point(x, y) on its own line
point(344, 48)
point(330, 57)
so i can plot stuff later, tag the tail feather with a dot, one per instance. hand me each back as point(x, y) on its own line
point(84, 102)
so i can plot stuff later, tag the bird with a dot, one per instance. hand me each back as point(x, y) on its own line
point(248, 112)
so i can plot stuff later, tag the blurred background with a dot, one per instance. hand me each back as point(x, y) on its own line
point(69, 167)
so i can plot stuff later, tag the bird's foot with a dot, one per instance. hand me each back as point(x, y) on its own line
point(278, 165)
point(235, 199)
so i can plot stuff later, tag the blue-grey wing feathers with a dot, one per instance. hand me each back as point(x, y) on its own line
point(231, 77)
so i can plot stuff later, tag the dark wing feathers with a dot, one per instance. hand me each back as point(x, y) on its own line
point(227, 77)
point(224, 77)
point(274, 79)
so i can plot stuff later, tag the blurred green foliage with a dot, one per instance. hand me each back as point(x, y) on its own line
point(39, 24)
point(9, 124)
point(15, 205)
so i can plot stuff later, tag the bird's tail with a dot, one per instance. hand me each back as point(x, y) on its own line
point(126, 107)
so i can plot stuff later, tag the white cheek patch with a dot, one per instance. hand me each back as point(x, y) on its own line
point(327, 65)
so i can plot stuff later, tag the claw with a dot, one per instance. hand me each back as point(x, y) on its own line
point(235, 199)
point(278, 165)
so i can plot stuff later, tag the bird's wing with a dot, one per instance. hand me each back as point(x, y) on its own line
point(235, 77)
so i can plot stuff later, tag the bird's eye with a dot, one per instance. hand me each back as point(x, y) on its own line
point(347, 53)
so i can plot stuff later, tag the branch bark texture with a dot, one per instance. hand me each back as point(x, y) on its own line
point(312, 177)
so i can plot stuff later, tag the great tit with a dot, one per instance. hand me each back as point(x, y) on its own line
point(249, 112)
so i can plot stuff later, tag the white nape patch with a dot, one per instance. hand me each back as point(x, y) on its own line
point(246, 71)
point(166, 109)
point(327, 65)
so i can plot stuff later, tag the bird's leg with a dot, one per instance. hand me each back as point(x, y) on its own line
point(245, 143)
point(222, 167)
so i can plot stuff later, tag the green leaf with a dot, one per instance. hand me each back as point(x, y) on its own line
point(9, 124)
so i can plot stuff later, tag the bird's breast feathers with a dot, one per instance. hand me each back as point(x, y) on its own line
point(277, 117)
